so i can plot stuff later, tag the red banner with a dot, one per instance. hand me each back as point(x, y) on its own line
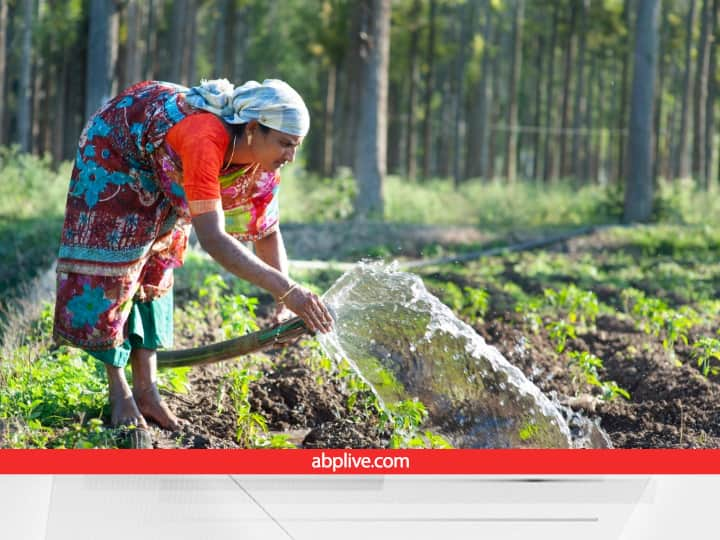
point(384, 462)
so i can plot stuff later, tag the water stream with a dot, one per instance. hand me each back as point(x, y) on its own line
point(406, 343)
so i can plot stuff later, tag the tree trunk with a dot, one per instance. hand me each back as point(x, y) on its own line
point(371, 146)
point(352, 82)
point(178, 26)
point(395, 125)
point(567, 84)
point(102, 54)
point(223, 16)
point(700, 97)
point(711, 96)
point(639, 182)
point(587, 161)
point(485, 102)
point(25, 93)
point(622, 117)
point(3, 63)
point(134, 45)
point(512, 112)
point(682, 161)
point(413, 71)
point(190, 56)
point(467, 13)
point(538, 108)
point(39, 91)
point(150, 66)
point(600, 172)
point(429, 88)
point(549, 171)
point(59, 106)
point(328, 120)
point(657, 117)
point(579, 103)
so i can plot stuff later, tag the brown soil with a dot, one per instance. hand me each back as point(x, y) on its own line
point(671, 405)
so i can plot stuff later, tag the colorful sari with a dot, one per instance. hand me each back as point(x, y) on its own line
point(127, 219)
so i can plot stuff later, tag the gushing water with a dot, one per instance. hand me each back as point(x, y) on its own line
point(406, 343)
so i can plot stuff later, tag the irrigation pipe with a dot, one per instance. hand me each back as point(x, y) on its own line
point(464, 257)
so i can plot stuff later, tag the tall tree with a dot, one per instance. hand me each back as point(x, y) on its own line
point(486, 103)
point(579, 102)
point(700, 95)
point(371, 146)
point(3, 63)
point(429, 89)
point(549, 172)
point(639, 182)
point(682, 161)
point(538, 107)
point(567, 84)
point(467, 13)
point(479, 128)
point(623, 98)
point(712, 94)
point(102, 54)
point(25, 95)
point(413, 74)
point(512, 111)
point(134, 43)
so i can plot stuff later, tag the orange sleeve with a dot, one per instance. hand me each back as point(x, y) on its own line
point(201, 141)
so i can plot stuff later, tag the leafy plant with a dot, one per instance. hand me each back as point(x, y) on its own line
point(407, 417)
point(250, 426)
point(560, 332)
point(585, 366)
point(581, 307)
point(706, 352)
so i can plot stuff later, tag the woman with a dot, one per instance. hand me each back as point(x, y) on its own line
point(151, 162)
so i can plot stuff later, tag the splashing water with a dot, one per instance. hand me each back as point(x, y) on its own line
point(406, 343)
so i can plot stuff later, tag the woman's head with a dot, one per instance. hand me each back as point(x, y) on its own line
point(274, 104)
point(269, 147)
point(271, 116)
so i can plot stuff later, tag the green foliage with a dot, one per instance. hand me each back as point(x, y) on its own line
point(174, 379)
point(653, 316)
point(585, 366)
point(580, 307)
point(706, 351)
point(560, 332)
point(407, 418)
point(469, 302)
point(251, 426)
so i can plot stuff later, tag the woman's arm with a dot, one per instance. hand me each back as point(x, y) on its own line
point(271, 250)
point(236, 258)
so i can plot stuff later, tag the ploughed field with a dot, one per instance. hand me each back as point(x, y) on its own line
point(621, 324)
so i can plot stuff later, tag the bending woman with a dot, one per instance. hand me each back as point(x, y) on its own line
point(151, 162)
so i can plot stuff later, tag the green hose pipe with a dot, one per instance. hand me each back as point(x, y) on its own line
point(256, 341)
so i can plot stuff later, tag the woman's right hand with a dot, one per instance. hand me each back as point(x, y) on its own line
point(308, 306)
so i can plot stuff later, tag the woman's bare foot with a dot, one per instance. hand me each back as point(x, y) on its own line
point(153, 407)
point(123, 409)
point(125, 412)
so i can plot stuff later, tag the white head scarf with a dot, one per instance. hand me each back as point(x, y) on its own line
point(274, 104)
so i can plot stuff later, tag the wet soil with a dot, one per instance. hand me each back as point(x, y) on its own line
point(671, 404)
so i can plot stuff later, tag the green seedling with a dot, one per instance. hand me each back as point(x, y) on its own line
point(706, 352)
point(560, 332)
point(585, 366)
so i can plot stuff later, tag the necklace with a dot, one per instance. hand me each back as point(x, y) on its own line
point(231, 152)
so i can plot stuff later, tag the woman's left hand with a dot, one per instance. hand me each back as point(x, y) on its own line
point(282, 314)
